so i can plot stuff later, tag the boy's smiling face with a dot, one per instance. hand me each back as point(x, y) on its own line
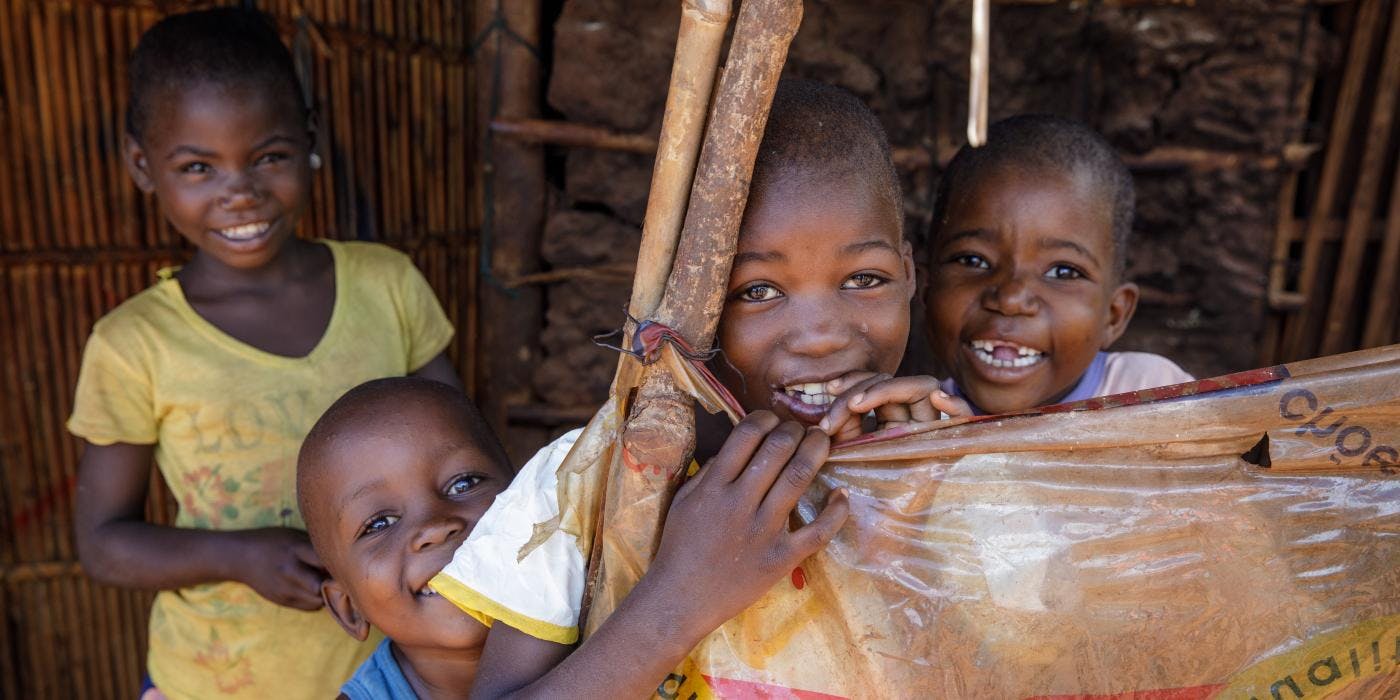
point(394, 495)
point(820, 288)
point(1023, 290)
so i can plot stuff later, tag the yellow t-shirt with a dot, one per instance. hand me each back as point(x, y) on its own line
point(227, 421)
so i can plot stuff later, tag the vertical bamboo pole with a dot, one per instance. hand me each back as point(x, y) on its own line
point(1296, 337)
point(9, 673)
point(698, 43)
point(1340, 312)
point(512, 207)
point(978, 88)
point(1380, 320)
point(661, 432)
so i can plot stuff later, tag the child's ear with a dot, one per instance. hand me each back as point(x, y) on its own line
point(134, 156)
point(911, 268)
point(1120, 312)
point(343, 609)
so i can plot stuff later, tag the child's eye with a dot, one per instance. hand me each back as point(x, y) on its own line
point(377, 524)
point(864, 280)
point(1064, 272)
point(463, 484)
point(970, 260)
point(274, 157)
point(759, 292)
point(196, 168)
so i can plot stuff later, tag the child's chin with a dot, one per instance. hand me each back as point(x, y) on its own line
point(994, 400)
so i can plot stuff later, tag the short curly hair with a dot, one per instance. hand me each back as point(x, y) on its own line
point(823, 132)
point(1046, 143)
point(222, 46)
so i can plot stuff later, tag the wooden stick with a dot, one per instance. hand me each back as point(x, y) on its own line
point(1366, 26)
point(1341, 316)
point(978, 81)
point(513, 207)
point(661, 432)
point(1163, 158)
point(562, 133)
point(1380, 321)
point(614, 272)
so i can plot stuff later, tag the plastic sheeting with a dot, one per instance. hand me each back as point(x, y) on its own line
point(1230, 538)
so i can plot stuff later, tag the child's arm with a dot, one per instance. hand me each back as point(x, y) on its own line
point(118, 547)
point(895, 400)
point(439, 369)
point(725, 543)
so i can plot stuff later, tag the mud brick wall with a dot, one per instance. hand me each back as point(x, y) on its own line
point(1221, 78)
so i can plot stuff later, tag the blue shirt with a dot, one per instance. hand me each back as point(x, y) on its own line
point(379, 678)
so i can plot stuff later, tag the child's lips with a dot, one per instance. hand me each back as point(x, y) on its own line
point(245, 236)
point(1003, 360)
point(809, 413)
point(806, 399)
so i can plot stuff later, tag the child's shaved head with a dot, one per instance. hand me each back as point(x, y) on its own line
point(1038, 143)
point(391, 480)
point(820, 132)
point(373, 404)
point(219, 46)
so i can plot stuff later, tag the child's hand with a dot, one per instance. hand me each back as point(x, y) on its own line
point(895, 400)
point(726, 539)
point(279, 564)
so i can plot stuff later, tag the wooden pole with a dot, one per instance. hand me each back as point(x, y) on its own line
point(703, 24)
point(512, 206)
point(979, 65)
point(1380, 320)
point(1340, 312)
point(1296, 336)
point(660, 436)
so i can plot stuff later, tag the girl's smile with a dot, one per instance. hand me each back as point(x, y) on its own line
point(820, 288)
point(231, 169)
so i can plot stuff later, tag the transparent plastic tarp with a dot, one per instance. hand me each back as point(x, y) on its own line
point(1230, 538)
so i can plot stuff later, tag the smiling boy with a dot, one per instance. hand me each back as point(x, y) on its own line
point(1026, 287)
point(817, 308)
point(390, 481)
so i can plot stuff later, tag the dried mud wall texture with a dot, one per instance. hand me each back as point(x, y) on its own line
point(1224, 79)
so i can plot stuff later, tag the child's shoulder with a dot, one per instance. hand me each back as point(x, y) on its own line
point(1134, 371)
point(368, 254)
point(149, 310)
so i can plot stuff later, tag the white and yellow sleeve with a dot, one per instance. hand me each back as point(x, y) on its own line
point(539, 591)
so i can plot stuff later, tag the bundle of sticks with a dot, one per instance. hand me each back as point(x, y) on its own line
point(700, 182)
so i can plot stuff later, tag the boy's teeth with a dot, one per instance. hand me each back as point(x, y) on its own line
point(812, 393)
point(244, 232)
point(986, 351)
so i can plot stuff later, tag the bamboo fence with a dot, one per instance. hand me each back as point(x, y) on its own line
point(393, 85)
point(1334, 280)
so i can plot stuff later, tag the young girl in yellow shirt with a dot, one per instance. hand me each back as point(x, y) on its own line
point(218, 370)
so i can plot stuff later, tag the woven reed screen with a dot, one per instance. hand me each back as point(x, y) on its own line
point(391, 81)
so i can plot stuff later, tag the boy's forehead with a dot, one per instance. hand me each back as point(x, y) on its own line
point(818, 204)
point(1065, 203)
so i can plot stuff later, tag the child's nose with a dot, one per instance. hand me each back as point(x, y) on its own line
point(1012, 296)
point(817, 334)
point(241, 192)
point(437, 531)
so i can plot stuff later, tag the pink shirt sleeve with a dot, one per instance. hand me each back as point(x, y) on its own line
point(1133, 371)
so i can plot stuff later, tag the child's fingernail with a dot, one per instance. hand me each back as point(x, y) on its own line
point(856, 399)
point(941, 394)
point(824, 425)
point(833, 386)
